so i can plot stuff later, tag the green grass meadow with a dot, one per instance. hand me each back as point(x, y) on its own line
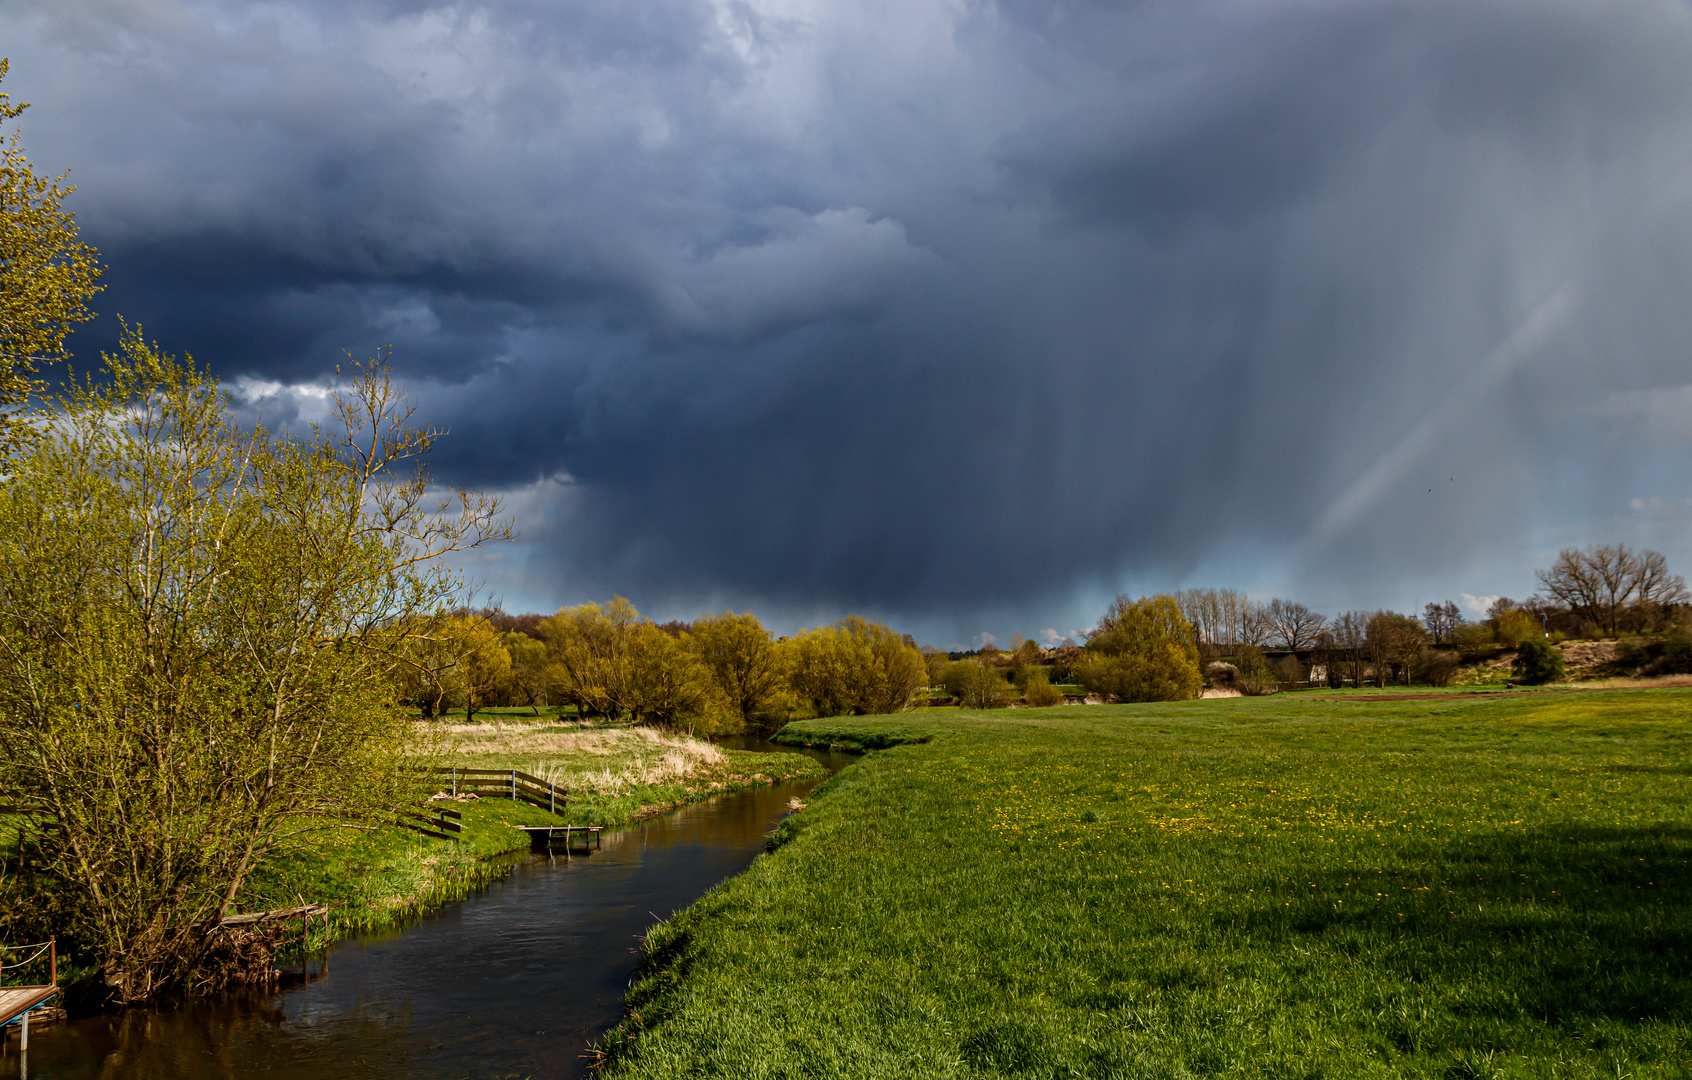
point(1494, 886)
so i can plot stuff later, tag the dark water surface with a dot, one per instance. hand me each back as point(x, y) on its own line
point(515, 982)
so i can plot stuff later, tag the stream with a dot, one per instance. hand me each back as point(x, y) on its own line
point(515, 982)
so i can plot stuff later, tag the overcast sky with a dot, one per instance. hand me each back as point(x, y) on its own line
point(966, 315)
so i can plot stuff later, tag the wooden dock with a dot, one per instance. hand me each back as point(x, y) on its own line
point(17, 1002)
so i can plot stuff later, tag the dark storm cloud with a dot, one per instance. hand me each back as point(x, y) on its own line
point(939, 309)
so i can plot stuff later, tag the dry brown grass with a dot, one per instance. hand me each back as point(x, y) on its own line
point(604, 761)
point(1652, 682)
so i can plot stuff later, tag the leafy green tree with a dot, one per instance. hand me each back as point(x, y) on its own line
point(47, 276)
point(743, 658)
point(588, 650)
point(854, 667)
point(527, 682)
point(1144, 651)
point(481, 664)
point(200, 631)
point(670, 686)
point(1471, 638)
point(1514, 626)
point(976, 685)
point(1254, 674)
point(1024, 657)
point(936, 662)
point(1538, 661)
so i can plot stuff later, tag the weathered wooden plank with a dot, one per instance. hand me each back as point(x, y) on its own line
point(249, 917)
point(16, 1000)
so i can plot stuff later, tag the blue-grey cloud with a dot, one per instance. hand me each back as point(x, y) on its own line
point(959, 311)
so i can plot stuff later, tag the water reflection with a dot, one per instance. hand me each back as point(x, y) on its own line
point(515, 982)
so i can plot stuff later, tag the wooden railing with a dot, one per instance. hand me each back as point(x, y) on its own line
point(504, 783)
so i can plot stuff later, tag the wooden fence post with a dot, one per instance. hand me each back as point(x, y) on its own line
point(513, 785)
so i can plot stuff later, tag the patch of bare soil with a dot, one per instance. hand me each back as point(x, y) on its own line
point(1584, 658)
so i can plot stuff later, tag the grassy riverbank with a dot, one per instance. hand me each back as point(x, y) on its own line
point(1495, 886)
point(618, 774)
point(614, 775)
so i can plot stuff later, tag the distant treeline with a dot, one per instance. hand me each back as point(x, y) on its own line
point(717, 675)
point(726, 672)
point(1603, 590)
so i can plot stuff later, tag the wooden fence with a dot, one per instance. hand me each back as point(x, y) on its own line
point(504, 783)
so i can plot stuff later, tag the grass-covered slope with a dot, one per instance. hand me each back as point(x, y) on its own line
point(1271, 887)
point(375, 878)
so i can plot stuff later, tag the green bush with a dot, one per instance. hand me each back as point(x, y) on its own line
point(1039, 693)
point(1516, 626)
point(1144, 651)
point(976, 685)
point(1538, 661)
point(1471, 638)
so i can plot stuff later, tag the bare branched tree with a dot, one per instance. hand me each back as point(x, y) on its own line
point(1655, 590)
point(1441, 620)
point(1608, 586)
point(1292, 625)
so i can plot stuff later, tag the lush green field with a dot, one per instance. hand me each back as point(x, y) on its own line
point(1495, 886)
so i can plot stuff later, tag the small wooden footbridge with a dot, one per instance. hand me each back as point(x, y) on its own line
point(513, 784)
point(17, 1002)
